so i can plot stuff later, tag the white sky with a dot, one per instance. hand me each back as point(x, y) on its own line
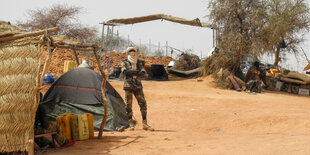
point(177, 35)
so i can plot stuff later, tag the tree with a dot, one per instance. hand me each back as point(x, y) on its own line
point(238, 24)
point(287, 22)
point(258, 26)
point(158, 53)
point(63, 16)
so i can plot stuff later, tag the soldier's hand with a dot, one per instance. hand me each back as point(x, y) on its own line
point(131, 72)
point(141, 73)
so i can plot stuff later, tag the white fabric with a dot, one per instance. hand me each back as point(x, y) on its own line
point(132, 57)
point(131, 49)
point(133, 61)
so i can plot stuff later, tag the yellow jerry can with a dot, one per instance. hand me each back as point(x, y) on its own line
point(69, 65)
point(64, 122)
point(79, 125)
point(90, 119)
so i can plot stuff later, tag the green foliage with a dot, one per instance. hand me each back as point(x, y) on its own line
point(256, 27)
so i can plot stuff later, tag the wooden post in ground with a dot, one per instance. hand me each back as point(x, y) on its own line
point(105, 104)
point(76, 57)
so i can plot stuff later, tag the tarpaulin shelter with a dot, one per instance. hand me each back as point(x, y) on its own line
point(195, 22)
point(79, 91)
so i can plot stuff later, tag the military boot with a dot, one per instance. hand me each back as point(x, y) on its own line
point(146, 126)
point(132, 124)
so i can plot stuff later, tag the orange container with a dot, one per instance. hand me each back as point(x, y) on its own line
point(90, 118)
point(64, 122)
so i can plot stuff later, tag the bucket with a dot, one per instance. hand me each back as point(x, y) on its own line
point(48, 79)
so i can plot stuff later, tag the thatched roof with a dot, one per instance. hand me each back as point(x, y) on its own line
point(11, 35)
point(195, 22)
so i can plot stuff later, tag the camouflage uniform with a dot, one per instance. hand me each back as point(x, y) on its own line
point(52, 127)
point(133, 85)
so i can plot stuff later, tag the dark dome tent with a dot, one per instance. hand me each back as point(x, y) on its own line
point(79, 91)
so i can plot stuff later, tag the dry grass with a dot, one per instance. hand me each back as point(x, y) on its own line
point(187, 62)
point(213, 64)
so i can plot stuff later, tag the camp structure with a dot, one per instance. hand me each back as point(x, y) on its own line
point(195, 22)
point(20, 85)
point(79, 91)
point(21, 78)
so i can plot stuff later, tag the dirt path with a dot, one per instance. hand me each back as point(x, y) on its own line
point(193, 117)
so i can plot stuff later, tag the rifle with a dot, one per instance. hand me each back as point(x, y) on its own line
point(131, 73)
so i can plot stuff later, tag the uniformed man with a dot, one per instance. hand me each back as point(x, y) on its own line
point(254, 77)
point(132, 70)
point(86, 64)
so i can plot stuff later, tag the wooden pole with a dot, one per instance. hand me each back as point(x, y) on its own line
point(305, 54)
point(77, 48)
point(102, 37)
point(118, 42)
point(128, 41)
point(213, 37)
point(105, 104)
point(150, 50)
point(111, 47)
point(166, 48)
point(76, 57)
point(30, 148)
point(28, 34)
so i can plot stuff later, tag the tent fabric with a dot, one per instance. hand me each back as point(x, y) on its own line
point(298, 78)
point(195, 22)
point(185, 74)
point(79, 91)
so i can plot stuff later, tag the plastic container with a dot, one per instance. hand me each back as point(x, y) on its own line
point(69, 65)
point(48, 79)
point(79, 125)
point(90, 119)
point(64, 122)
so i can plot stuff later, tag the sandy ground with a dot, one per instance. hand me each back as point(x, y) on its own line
point(192, 117)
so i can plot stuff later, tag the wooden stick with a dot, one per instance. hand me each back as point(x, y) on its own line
point(28, 34)
point(46, 64)
point(81, 45)
point(77, 48)
point(76, 57)
point(305, 54)
point(105, 104)
point(30, 148)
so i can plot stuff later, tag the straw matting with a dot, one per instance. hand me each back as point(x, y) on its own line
point(19, 75)
point(7, 30)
